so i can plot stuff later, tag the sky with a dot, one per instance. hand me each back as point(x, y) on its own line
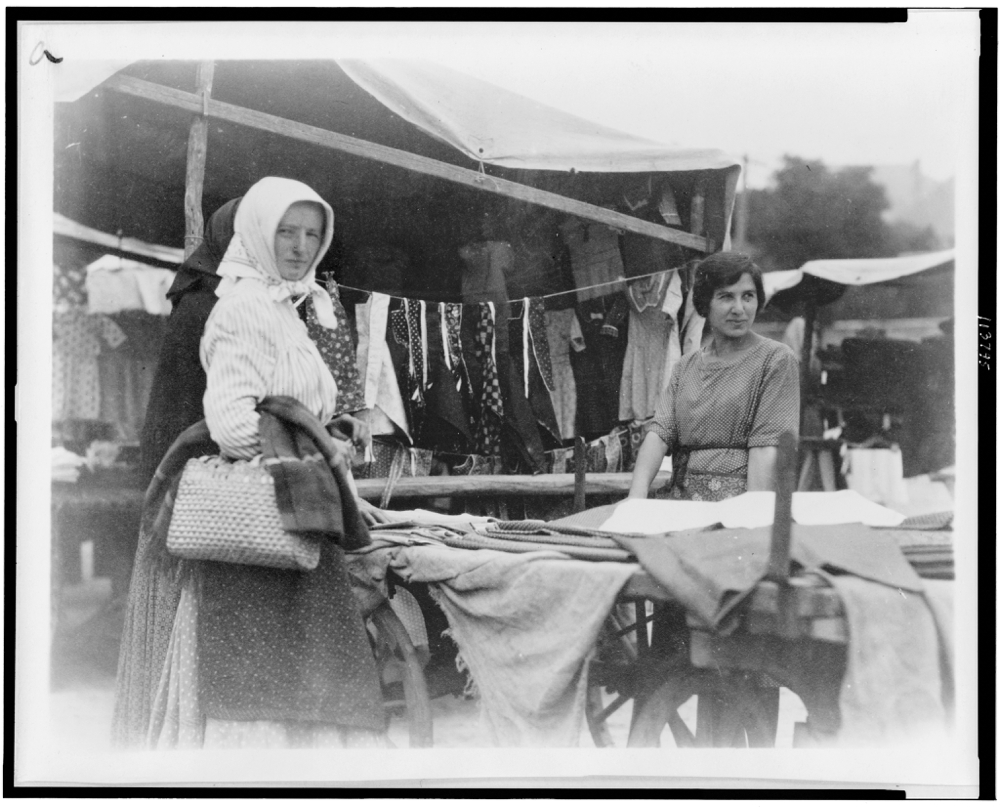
point(846, 94)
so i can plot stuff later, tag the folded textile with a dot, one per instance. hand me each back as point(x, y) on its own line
point(928, 521)
point(710, 572)
point(525, 625)
point(519, 543)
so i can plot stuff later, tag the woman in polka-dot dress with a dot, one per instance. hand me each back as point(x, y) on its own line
point(257, 657)
point(726, 405)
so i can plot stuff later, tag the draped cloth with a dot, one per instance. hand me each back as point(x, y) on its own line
point(175, 399)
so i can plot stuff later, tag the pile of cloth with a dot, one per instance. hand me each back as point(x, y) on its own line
point(526, 606)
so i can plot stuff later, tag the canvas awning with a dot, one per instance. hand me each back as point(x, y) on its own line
point(858, 271)
point(498, 127)
point(485, 122)
point(355, 130)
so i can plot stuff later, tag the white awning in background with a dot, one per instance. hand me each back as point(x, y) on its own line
point(859, 271)
point(863, 271)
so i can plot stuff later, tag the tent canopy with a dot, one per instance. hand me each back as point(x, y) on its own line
point(120, 159)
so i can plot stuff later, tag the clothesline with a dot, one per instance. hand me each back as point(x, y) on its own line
point(537, 297)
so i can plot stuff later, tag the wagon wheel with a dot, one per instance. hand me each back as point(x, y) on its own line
point(394, 650)
point(729, 714)
point(622, 664)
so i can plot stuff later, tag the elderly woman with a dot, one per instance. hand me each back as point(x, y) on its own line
point(725, 405)
point(256, 657)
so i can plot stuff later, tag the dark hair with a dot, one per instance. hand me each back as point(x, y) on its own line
point(720, 270)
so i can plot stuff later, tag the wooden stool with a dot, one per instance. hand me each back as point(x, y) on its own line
point(818, 453)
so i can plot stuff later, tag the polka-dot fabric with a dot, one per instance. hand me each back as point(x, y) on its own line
point(177, 720)
point(716, 408)
point(77, 339)
point(336, 346)
point(491, 402)
point(276, 644)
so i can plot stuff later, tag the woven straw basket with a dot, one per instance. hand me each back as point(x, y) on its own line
point(226, 511)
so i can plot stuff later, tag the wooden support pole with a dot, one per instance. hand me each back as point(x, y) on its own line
point(698, 207)
point(403, 159)
point(805, 377)
point(781, 532)
point(194, 183)
point(580, 480)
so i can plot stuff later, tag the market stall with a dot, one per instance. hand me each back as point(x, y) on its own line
point(488, 252)
point(462, 209)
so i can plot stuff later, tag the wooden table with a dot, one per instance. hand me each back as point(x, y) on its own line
point(108, 516)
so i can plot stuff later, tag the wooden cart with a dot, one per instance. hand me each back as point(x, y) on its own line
point(794, 632)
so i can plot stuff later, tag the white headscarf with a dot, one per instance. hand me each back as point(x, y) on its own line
point(251, 250)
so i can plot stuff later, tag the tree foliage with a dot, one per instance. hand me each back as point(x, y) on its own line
point(813, 212)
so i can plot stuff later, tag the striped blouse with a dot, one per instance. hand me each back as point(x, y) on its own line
point(254, 347)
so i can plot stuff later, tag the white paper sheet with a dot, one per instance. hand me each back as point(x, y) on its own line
point(650, 516)
point(750, 510)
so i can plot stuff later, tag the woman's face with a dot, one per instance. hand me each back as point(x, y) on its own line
point(298, 239)
point(733, 308)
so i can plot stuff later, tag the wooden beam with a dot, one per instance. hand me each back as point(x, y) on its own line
point(502, 485)
point(401, 159)
point(131, 246)
point(194, 183)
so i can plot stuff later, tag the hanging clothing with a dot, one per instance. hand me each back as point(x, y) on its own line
point(653, 344)
point(77, 338)
point(491, 416)
point(642, 255)
point(401, 355)
point(450, 317)
point(564, 334)
point(383, 401)
point(486, 266)
point(69, 289)
point(537, 339)
point(484, 282)
point(116, 284)
point(528, 382)
point(595, 256)
point(416, 325)
point(448, 424)
point(539, 265)
point(127, 372)
point(598, 369)
point(716, 408)
point(336, 346)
